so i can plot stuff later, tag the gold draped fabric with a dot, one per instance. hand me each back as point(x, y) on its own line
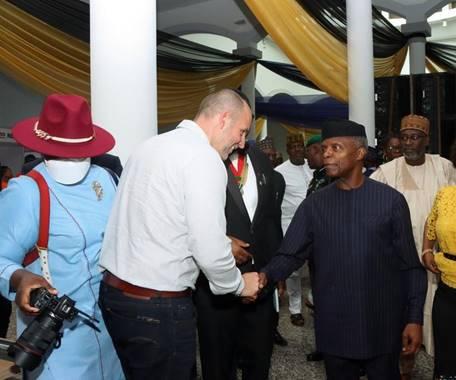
point(47, 60)
point(307, 133)
point(40, 56)
point(259, 125)
point(179, 93)
point(320, 56)
point(433, 67)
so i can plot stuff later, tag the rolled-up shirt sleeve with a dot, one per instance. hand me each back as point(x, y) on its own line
point(18, 228)
point(205, 195)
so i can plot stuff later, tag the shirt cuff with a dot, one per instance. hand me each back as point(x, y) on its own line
point(240, 287)
point(269, 272)
point(415, 316)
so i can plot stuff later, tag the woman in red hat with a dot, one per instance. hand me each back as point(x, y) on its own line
point(80, 199)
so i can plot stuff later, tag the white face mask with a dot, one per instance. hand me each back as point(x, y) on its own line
point(68, 171)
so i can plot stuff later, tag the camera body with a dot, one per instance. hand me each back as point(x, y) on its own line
point(43, 333)
point(61, 307)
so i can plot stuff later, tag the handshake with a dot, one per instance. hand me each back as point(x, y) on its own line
point(253, 284)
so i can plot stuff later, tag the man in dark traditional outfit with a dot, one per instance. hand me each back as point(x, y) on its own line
point(368, 284)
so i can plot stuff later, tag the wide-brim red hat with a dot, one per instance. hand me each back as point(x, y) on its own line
point(64, 129)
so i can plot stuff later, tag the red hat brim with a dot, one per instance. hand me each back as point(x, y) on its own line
point(24, 134)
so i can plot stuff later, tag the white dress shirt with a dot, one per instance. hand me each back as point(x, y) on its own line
point(297, 179)
point(168, 219)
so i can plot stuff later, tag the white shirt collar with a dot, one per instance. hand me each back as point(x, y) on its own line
point(194, 127)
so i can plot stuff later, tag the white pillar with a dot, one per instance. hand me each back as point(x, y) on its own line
point(123, 67)
point(248, 88)
point(417, 55)
point(360, 61)
point(248, 49)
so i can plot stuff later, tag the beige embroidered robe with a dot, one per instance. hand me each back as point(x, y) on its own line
point(419, 185)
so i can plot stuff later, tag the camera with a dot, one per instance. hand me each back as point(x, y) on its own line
point(43, 333)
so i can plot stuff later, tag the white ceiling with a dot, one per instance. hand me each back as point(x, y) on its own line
point(233, 19)
point(229, 18)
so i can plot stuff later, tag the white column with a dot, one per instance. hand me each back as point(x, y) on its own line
point(360, 60)
point(123, 70)
point(248, 49)
point(248, 88)
point(417, 55)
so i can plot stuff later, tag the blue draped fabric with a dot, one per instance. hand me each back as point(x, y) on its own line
point(305, 110)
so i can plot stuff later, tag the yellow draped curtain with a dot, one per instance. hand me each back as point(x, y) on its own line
point(42, 57)
point(47, 60)
point(307, 133)
point(259, 125)
point(320, 56)
point(434, 67)
point(179, 93)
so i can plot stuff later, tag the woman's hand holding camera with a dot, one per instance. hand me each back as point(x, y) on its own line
point(23, 282)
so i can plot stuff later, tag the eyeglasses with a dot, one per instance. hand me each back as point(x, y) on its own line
point(414, 137)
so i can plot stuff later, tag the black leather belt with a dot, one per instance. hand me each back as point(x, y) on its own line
point(449, 256)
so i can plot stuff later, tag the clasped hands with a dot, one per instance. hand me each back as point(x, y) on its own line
point(254, 282)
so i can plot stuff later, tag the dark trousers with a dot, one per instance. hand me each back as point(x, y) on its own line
point(443, 321)
point(231, 333)
point(154, 338)
point(383, 367)
point(5, 314)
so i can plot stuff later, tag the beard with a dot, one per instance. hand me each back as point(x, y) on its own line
point(412, 155)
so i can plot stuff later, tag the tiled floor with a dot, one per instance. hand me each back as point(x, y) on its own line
point(290, 362)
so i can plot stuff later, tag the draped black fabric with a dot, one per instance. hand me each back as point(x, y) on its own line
point(174, 53)
point(331, 14)
point(69, 16)
point(288, 71)
point(443, 55)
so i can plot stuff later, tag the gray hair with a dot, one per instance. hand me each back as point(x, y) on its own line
point(361, 142)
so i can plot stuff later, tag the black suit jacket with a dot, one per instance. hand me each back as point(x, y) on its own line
point(262, 233)
point(279, 192)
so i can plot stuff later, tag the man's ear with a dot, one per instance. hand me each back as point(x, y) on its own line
point(223, 119)
point(361, 154)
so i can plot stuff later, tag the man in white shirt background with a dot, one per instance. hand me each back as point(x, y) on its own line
point(297, 175)
point(167, 223)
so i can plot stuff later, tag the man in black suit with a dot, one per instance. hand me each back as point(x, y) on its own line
point(267, 147)
point(368, 284)
point(231, 332)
